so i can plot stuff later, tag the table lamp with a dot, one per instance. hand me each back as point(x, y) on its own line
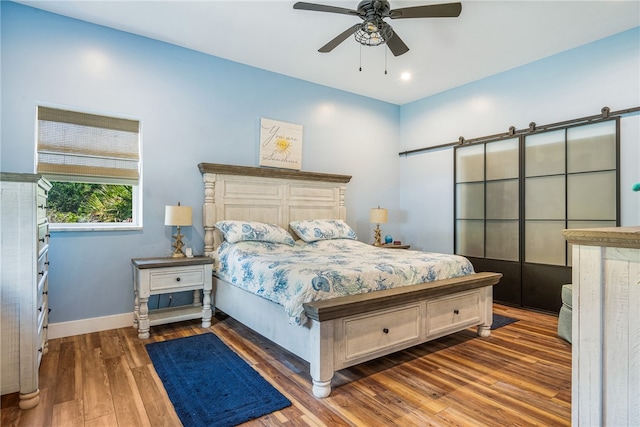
point(378, 216)
point(177, 216)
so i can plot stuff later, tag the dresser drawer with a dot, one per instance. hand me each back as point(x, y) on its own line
point(43, 264)
point(42, 316)
point(41, 204)
point(42, 346)
point(452, 312)
point(43, 328)
point(42, 291)
point(379, 332)
point(171, 278)
point(43, 236)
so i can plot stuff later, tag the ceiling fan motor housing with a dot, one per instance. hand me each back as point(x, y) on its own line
point(369, 9)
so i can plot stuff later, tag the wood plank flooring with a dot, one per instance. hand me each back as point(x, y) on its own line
point(520, 376)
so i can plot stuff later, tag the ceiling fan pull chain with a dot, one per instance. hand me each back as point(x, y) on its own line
point(385, 62)
point(360, 69)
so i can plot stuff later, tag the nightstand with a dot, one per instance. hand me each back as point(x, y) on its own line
point(392, 246)
point(153, 276)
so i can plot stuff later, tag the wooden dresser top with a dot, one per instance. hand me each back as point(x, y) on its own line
point(619, 237)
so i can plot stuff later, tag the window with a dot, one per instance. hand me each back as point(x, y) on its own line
point(93, 162)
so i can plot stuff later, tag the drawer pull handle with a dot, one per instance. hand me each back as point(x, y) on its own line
point(45, 293)
point(41, 240)
point(41, 273)
point(45, 327)
point(40, 308)
point(456, 311)
point(385, 330)
point(47, 235)
point(42, 206)
point(177, 279)
point(47, 263)
point(40, 349)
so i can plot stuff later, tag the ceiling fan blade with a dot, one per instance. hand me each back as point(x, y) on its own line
point(447, 10)
point(396, 45)
point(324, 8)
point(338, 39)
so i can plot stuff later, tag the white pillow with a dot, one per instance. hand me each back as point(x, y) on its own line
point(238, 231)
point(322, 229)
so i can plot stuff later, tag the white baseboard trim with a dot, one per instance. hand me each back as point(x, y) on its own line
point(86, 326)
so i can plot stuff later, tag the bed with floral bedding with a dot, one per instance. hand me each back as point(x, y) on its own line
point(288, 266)
point(293, 273)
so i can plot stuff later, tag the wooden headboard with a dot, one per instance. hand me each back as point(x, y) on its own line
point(275, 196)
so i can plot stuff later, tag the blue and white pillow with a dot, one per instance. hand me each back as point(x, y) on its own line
point(238, 231)
point(322, 229)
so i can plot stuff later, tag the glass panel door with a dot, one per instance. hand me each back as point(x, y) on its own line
point(592, 177)
point(502, 197)
point(515, 196)
point(545, 197)
point(470, 188)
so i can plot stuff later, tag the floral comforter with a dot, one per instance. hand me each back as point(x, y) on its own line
point(292, 275)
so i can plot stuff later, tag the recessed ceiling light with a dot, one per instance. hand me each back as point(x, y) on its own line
point(405, 76)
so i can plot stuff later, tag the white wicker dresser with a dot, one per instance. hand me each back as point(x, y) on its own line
point(24, 235)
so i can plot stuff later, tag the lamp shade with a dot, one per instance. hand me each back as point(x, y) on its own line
point(378, 215)
point(177, 215)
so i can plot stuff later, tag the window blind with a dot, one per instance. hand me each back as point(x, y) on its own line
point(79, 146)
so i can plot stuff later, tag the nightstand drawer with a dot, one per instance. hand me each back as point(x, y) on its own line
point(172, 278)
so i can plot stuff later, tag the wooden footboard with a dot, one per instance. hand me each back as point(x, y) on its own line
point(345, 331)
point(354, 329)
point(363, 303)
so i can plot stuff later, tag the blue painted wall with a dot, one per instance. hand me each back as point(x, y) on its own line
point(193, 108)
point(198, 108)
point(573, 84)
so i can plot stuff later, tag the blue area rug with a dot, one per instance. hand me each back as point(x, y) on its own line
point(210, 385)
point(500, 321)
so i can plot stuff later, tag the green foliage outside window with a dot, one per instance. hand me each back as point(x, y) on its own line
point(78, 202)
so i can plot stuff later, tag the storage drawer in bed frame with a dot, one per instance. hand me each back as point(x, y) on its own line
point(361, 337)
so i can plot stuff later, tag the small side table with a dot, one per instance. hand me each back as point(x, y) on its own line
point(392, 246)
point(153, 276)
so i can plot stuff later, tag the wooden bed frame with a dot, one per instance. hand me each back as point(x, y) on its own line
point(344, 331)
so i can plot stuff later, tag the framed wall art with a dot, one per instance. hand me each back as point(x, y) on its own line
point(280, 144)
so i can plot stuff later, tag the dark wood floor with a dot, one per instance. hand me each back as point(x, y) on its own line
point(520, 376)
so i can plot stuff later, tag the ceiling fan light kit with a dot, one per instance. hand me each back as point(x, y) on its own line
point(374, 31)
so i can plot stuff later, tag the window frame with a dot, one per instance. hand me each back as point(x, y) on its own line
point(136, 190)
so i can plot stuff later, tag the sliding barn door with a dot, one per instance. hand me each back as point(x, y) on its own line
point(514, 196)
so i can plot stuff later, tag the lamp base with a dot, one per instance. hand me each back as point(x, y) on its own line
point(377, 240)
point(178, 245)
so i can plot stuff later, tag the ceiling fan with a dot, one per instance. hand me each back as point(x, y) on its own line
point(374, 31)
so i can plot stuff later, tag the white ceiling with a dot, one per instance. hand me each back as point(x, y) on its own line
point(487, 38)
